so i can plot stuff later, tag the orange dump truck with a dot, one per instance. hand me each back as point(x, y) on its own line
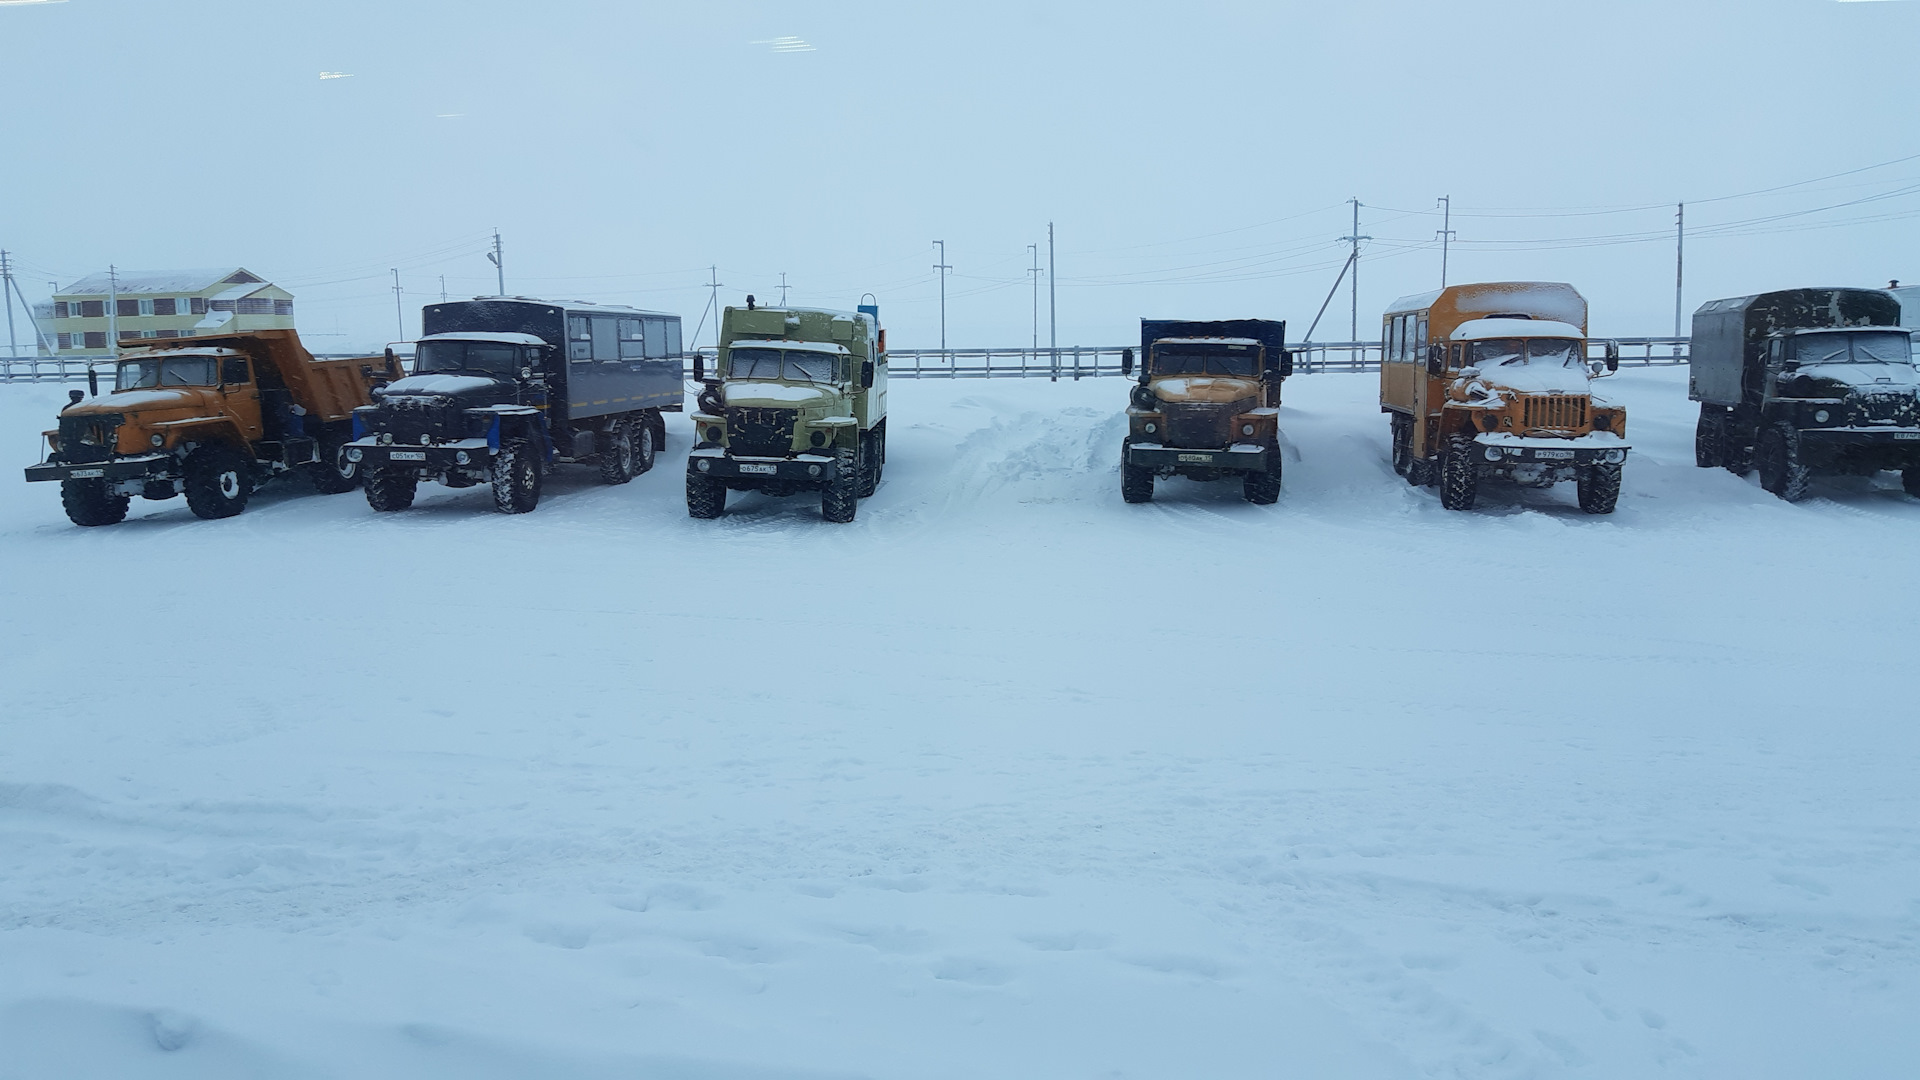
point(211, 418)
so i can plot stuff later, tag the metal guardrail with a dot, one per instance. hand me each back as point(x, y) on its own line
point(1066, 362)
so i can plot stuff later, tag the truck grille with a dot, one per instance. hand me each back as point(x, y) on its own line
point(1883, 409)
point(760, 432)
point(1554, 412)
point(408, 421)
point(1201, 424)
point(88, 438)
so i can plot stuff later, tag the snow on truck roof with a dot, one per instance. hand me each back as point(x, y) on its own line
point(478, 335)
point(782, 343)
point(1482, 329)
point(1242, 341)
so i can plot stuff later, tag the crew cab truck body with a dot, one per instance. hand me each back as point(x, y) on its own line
point(797, 401)
point(1492, 380)
point(1207, 405)
point(210, 417)
point(503, 388)
point(1805, 383)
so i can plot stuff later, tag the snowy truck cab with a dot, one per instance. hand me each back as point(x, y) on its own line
point(502, 388)
point(797, 401)
point(1803, 383)
point(1493, 380)
point(1207, 406)
point(211, 417)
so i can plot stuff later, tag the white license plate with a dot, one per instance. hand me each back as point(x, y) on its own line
point(755, 469)
point(1204, 459)
point(408, 455)
point(87, 474)
point(1896, 435)
point(1552, 455)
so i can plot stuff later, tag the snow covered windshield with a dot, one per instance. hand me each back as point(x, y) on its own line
point(768, 364)
point(1496, 351)
point(1867, 347)
point(165, 371)
point(467, 356)
point(1242, 360)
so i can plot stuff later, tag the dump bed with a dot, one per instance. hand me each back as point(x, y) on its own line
point(329, 390)
point(1728, 346)
point(1269, 333)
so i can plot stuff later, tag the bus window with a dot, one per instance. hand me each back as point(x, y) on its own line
point(1394, 341)
point(673, 337)
point(632, 345)
point(1420, 339)
point(656, 338)
point(606, 338)
point(579, 338)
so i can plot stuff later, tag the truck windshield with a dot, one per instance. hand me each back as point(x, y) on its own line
point(1494, 352)
point(779, 364)
point(490, 356)
point(1872, 347)
point(166, 371)
point(1241, 360)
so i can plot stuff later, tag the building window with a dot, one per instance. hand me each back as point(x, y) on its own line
point(169, 333)
point(197, 305)
point(126, 309)
point(60, 311)
point(129, 335)
point(283, 307)
point(93, 309)
point(254, 305)
point(96, 339)
point(146, 307)
point(148, 333)
point(66, 341)
point(163, 305)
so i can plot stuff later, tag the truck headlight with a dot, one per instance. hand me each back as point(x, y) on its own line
point(703, 465)
point(1152, 427)
point(813, 470)
point(1246, 429)
point(1820, 416)
point(1615, 457)
point(1493, 453)
point(461, 457)
point(157, 440)
point(354, 453)
point(425, 439)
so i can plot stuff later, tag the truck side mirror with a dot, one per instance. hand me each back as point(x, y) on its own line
point(1613, 356)
point(866, 375)
point(93, 382)
point(1436, 359)
point(1285, 368)
point(74, 397)
point(233, 370)
point(1126, 361)
point(699, 368)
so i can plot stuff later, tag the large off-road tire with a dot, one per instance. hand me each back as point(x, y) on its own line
point(1136, 481)
point(1910, 480)
point(1459, 478)
point(87, 502)
point(617, 452)
point(1598, 487)
point(516, 478)
point(841, 498)
point(1402, 427)
point(649, 435)
point(873, 452)
point(706, 497)
point(1781, 469)
point(1263, 488)
point(219, 481)
point(1710, 438)
point(333, 474)
point(1737, 451)
point(390, 489)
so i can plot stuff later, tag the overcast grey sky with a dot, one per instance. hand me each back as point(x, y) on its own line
point(1194, 156)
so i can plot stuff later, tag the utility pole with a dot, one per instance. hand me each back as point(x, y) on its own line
point(1053, 308)
point(399, 314)
point(1679, 265)
point(1035, 271)
point(713, 305)
point(6, 286)
point(498, 258)
point(113, 310)
point(783, 288)
point(943, 270)
point(1446, 234)
point(443, 288)
point(1353, 260)
point(39, 335)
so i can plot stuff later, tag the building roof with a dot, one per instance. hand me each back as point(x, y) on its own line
point(162, 281)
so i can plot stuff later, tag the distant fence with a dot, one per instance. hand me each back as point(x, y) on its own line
point(1066, 362)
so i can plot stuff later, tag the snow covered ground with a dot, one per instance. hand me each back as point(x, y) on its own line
point(1006, 779)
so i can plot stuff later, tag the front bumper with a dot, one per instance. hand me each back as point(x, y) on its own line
point(146, 466)
point(1596, 449)
point(801, 468)
point(435, 457)
point(1240, 457)
point(1863, 436)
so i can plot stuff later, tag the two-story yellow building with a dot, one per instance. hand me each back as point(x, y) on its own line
point(103, 314)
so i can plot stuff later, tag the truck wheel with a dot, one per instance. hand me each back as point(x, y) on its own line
point(391, 489)
point(1910, 480)
point(841, 499)
point(333, 473)
point(1598, 487)
point(616, 452)
point(1781, 470)
point(1459, 483)
point(869, 464)
point(219, 481)
point(516, 478)
point(1402, 444)
point(1710, 438)
point(706, 497)
point(1263, 488)
point(646, 444)
point(1136, 481)
point(87, 502)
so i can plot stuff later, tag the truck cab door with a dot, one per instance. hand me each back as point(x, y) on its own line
point(240, 396)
